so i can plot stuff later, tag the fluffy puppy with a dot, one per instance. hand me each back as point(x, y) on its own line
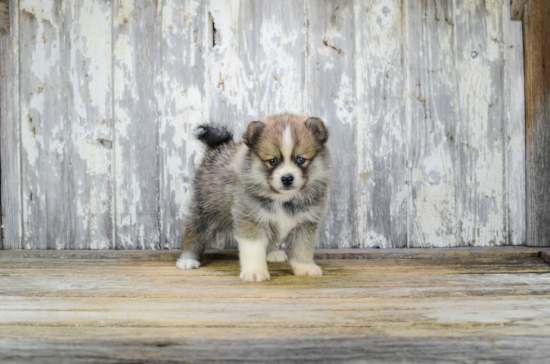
point(271, 188)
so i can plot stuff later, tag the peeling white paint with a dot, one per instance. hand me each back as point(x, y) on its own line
point(375, 240)
point(344, 102)
point(43, 11)
point(125, 12)
point(261, 64)
point(94, 35)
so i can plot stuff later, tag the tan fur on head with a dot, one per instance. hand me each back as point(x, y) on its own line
point(285, 139)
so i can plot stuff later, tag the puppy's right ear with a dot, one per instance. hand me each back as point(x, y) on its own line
point(253, 133)
point(318, 129)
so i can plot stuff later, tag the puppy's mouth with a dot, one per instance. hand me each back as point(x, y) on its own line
point(283, 190)
point(286, 190)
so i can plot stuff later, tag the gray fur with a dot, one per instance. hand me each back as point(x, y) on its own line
point(231, 197)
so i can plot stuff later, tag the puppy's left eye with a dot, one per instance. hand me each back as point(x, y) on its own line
point(300, 160)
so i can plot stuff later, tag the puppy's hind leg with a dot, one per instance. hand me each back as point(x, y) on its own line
point(301, 243)
point(193, 248)
point(275, 255)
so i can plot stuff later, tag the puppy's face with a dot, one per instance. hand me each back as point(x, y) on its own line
point(284, 150)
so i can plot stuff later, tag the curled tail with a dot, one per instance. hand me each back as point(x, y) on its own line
point(213, 135)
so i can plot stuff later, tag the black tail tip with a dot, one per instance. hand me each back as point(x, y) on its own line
point(213, 135)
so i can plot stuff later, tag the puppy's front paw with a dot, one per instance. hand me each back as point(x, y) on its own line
point(277, 256)
point(306, 269)
point(255, 276)
point(185, 263)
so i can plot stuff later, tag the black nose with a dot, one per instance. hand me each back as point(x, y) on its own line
point(287, 180)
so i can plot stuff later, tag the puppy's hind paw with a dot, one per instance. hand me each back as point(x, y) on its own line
point(256, 276)
point(277, 256)
point(185, 263)
point(306, 269)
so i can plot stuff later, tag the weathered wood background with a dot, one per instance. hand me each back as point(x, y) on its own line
point(424, 99)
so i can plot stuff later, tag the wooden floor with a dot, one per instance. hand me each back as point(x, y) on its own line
point(442, 306)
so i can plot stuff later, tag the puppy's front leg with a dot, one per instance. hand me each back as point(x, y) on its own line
point(301, 243)
point(252, 254)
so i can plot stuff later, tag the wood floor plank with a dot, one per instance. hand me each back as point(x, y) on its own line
point(301, 350)
point(77, 310)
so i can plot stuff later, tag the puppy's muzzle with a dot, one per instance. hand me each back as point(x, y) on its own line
point(287, 180)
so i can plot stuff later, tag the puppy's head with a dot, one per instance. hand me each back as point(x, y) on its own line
point(283, 152)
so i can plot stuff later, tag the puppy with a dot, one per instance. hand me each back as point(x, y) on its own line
point(273, 187)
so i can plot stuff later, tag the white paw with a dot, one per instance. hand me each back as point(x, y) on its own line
point(255, 276)
point(306, 269)
point(277, 256)
point(184, 263)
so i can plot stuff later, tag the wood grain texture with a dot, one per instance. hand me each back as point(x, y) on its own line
point(382, 132)
point(232, 63)
point(137, 76)
point(297, 350)
point(537, 106)
point(79, 309)
point(481, 178)
point(10, 138)
point(514, 138)
point(426, 120)
point(90, 139)
point(185, 37)
point(4, 18)
point(44, 133)
point(517, 8)
point(331, 96)
point(280, 73)
point(433, 117)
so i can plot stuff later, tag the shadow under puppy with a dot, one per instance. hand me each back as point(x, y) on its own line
point(273, 187)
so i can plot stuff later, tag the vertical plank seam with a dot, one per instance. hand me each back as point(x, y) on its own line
point(113, 132)
point(66, 89)
point(525, 157)
point(306, 94)
point(257, 55)
point(456, 161)
point(206, 60)
point(208, 49)
point(528, 160)
point(504, 17)
point(408, 121)
point(406, 126)
point(360, 225)
point(21, 225)
point(354, 236)
point(66, 153)
point(1, 121)
point(159, 119)
point(528, 214)
point(505, 36)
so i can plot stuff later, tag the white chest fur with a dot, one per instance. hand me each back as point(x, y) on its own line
point(284, 222)
point(280, 220)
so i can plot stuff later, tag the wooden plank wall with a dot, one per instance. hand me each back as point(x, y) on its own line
point(10, 147)
point(537, 95)
point(424, 100)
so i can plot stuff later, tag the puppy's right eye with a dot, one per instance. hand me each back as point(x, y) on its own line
point(273, 161)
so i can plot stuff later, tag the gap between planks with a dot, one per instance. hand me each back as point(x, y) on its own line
point(320, 254)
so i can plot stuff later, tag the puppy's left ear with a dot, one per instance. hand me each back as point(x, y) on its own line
point(318, 129)
point(253, 133)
